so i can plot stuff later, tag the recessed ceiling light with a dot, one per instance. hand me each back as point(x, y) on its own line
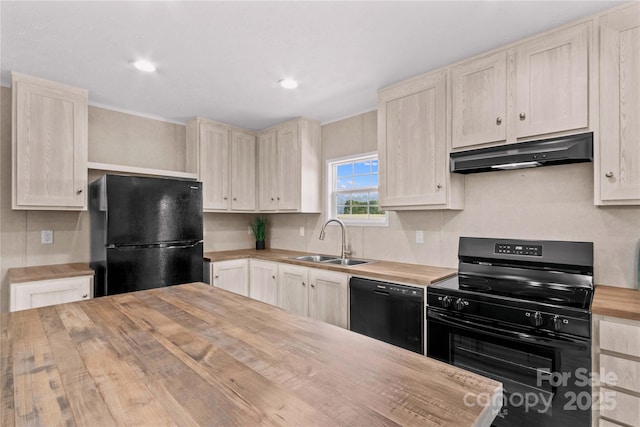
point(288, 83)
point(144, 65)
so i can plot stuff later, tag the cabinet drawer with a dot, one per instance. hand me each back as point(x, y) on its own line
point(626, 409)
point(42, 293)
point(620, 338)
point(627, 372)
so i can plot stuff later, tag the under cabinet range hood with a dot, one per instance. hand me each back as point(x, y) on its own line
point(531, 154)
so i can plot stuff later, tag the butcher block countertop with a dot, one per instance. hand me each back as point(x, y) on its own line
point(616, 302)
point(46, 272)
point(384, 270)
point(194, 355)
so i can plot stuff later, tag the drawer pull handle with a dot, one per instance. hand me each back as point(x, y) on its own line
point(85, 296)
point(609, 174)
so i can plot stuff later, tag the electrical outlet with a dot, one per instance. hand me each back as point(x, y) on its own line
point(419, 236)
point(301, 231)
point(46, 237)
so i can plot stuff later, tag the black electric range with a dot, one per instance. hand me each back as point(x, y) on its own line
point(518, 312)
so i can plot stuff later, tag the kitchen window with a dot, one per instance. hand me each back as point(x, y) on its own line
point(353, 190)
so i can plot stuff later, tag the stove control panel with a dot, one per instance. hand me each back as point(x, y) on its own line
point(510, 249)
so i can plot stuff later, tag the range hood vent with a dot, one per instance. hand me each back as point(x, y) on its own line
point(555, 151)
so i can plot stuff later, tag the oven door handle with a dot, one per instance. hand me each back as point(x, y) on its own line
point(558, 342)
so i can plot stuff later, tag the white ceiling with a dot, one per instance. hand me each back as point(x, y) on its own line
point(222, 60)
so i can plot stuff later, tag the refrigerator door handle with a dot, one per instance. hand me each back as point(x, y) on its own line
point(172, 245)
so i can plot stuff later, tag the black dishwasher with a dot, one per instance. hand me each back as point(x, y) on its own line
point(388, 312)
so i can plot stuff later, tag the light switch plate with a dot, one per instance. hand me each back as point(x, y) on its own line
point(46, 237)
point(419, 236)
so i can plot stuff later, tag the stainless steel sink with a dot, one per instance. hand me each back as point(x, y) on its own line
point(348, 261)
point(328, 259)
point(315, 258)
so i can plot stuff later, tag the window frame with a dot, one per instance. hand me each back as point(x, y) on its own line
point(332, 168)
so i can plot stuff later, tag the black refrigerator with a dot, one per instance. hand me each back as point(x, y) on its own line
point(145, 233)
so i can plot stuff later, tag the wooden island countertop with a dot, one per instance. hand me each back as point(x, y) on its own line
point(193, 355)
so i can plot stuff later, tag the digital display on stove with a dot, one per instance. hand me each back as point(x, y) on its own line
point(527, 250)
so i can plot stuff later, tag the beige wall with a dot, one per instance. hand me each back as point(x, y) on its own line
point(115, 138)
point(548, 203)
point(554, 203)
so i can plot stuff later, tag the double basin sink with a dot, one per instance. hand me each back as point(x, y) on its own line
point(327, 259)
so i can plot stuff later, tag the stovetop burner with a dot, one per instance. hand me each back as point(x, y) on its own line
point(558, 295)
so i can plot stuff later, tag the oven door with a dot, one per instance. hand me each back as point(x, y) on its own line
point(545, 378)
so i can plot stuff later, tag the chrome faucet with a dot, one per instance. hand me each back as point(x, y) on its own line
point(345, 252)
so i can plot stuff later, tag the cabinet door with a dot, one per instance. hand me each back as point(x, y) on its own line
point(619, 172)
point(412, 142)
point(43, 293)
point(49, 145)
point(479, 101)
point(232, 275)
point(214, 166)
point(552, 83)
point(267, 171)
point(293, 292)
point(243, 171)
point(264, 281)
point(288, 172)
point(328, 296)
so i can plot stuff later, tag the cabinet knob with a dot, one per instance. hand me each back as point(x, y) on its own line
point(304, 284)
point(273, 277)
point(235, 198)
point(272, 199)
point(216, 277)
point(523, 116)
point(85, 296)
point(225, 198)
point(609, 174)
point(313, 286)
point(439, 186)
point(499, 120)
point(278, 198)
point(79, 190)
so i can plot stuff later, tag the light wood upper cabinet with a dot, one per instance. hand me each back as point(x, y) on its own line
point(552, 82)
point(479, 101)
point(412, 146)
point(534, 89)
point(49, 145)
point(289, 167)
point(617, 174)
point(231, 275)
point(224, 158)
point(243, 171)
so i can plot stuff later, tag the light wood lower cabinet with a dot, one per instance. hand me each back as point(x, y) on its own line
point(263, 281)
point(231, 275)
point(313, 292)
point(43, 293)
point(293, 289)
point(328, 296)
point(616, 350)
